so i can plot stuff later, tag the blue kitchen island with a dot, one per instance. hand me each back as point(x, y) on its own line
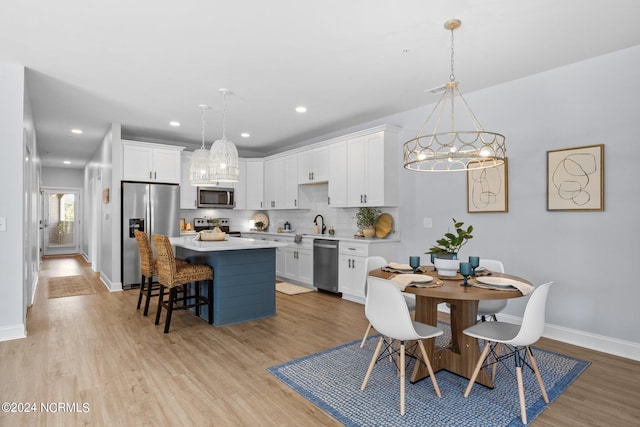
point(244, 276)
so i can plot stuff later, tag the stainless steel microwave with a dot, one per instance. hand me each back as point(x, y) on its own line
point(216, 197)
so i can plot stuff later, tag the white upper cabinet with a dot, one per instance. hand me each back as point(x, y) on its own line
point(274, 183)
point(290, 181)
point(188, 193)
point(313, 165)
point(255, 184)
point(249, 189)
point(280, 184)
point(372, 170)
point(338, 175)
point(143, 161)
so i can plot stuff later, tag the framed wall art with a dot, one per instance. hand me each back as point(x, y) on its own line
point(488, 189)
point(575, 179)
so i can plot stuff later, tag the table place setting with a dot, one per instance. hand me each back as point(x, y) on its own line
point(395, 267)
point(415, 280)
point(501, 284)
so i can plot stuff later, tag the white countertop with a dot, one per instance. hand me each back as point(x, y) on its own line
point(345, 237)
point(229, 244)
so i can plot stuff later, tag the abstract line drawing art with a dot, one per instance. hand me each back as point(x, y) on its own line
point(575, 179)
point(487, 189)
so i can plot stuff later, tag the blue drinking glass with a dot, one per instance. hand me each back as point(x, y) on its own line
point(414, 262)
point(465, 270)
point(475, 263)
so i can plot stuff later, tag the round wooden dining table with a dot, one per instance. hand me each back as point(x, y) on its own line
point(462, 353)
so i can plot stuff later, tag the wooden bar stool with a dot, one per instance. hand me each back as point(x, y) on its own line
point(148, 269)
point(173, 276)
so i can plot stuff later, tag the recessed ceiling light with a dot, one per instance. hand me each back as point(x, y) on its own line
point(301, 109)
point(76, 131)
point(67, 162)
point(245, 134)
point(174, 124)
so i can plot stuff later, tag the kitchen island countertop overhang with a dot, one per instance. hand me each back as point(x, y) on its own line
point(229, 244)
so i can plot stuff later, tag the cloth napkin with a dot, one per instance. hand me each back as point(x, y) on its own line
point(524, 288)
point(420, 280)
point(397, 266)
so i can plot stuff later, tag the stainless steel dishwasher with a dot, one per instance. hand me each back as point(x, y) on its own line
point(325, 264)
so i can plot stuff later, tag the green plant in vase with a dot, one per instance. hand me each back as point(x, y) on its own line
point(366, 220)
point(449, 245)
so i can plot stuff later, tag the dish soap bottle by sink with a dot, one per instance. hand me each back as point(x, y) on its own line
point(287, 226)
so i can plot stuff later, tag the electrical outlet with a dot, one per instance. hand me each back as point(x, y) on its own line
point(427, 222)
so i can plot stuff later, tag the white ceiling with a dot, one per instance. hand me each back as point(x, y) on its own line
point(143, 63)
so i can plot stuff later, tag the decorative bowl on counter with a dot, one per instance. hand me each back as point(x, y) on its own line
point(210, 235)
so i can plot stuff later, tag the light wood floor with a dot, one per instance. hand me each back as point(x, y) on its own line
point(98, 349)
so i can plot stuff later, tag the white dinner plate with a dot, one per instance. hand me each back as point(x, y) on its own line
point(414, 278)
point(396, 266)
point(500, 282)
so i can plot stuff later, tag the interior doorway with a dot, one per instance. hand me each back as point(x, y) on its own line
point(61, 221)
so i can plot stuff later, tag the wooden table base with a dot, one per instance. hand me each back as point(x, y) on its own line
point(462, 353)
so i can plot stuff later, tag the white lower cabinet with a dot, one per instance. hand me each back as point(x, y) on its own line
point(298, 263)
point(352, 256)
point(281, 254)
point(293, 262)
point(351, 274)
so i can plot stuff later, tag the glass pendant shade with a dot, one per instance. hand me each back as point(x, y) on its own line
point(223, 161)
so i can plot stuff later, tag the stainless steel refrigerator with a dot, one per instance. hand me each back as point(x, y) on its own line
point(152, 208)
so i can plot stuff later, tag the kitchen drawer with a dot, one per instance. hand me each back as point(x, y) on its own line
point(355, 249)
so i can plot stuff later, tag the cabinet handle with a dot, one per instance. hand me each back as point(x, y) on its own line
point(312, 176)
point(150, 175)
point(295, 202)
point(155, 175)
point(328, 200)
point(361, 198)
point(365, 198)
point(260, 204)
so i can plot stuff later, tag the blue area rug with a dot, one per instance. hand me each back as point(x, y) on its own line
point(331, 379)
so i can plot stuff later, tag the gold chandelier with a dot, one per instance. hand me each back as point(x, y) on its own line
point(449, 149)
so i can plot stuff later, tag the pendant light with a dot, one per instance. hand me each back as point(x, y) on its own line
point(199, 173)
point(449, 149)
point(223, 159)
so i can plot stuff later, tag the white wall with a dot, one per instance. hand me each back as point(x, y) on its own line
point(62, 177)
point(12, 307)
point(102, 220)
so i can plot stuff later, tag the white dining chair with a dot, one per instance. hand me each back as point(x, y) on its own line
point(372, 263)
point(520, 337)
point(489, 308)
point(387, 311)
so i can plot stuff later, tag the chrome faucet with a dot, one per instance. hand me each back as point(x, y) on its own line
point(324, 227)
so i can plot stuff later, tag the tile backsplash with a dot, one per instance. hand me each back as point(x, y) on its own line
point(314, 199)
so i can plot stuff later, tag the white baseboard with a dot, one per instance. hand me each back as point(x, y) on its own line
point(111, 286)
point(609, 345)
point(12, 332)
point(34, 286)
